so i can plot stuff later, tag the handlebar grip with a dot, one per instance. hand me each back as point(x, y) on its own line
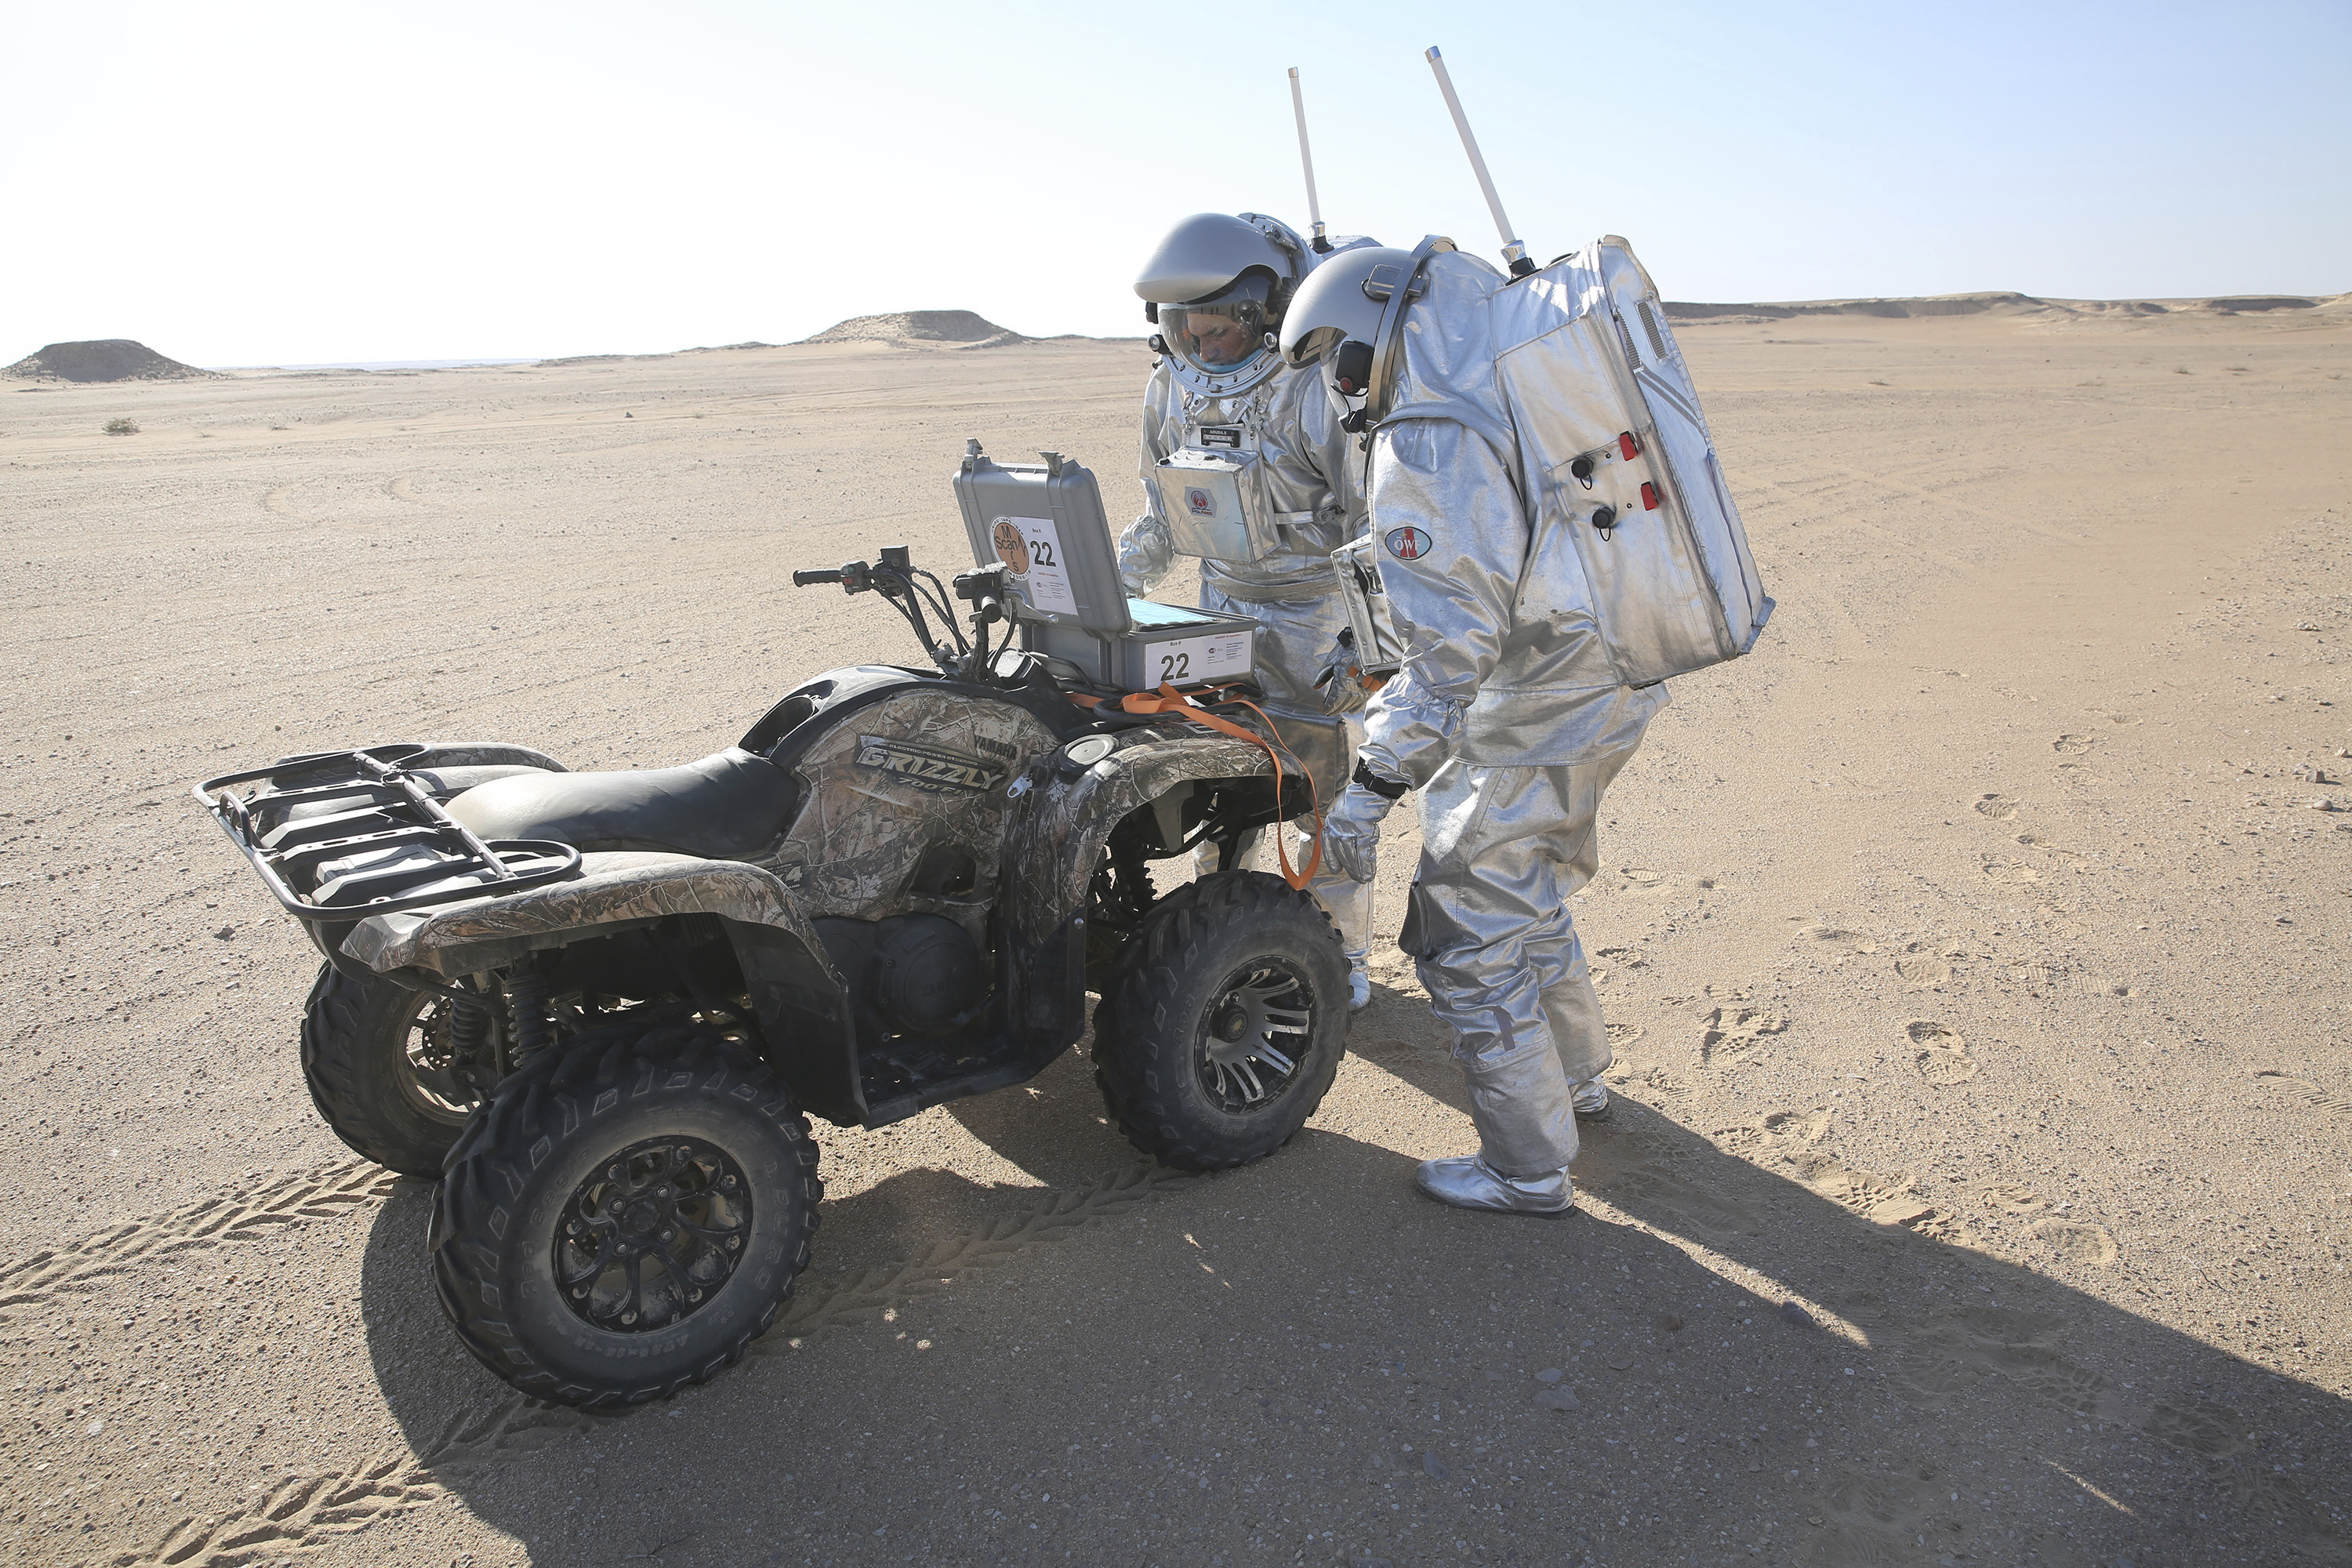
point(811, 579)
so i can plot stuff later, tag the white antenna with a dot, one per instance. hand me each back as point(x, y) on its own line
point(1513, 251)
point(1307, 158)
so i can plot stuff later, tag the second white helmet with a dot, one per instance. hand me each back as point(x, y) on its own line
point(1218, 288)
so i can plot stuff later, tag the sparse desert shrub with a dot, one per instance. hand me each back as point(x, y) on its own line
point(122, 428)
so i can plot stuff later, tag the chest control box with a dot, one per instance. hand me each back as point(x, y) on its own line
point(1045, 521)
point(1215, 504)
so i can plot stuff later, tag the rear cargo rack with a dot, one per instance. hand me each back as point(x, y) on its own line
point(341, 835)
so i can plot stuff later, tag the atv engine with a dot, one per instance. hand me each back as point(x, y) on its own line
point(909, 975)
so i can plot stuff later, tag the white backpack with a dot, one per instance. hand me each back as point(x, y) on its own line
point(1613, 446)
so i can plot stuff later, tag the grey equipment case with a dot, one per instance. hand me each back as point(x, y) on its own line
point(1215, 502)
point(1045, 521)
point(1614, 447)
point(1378, 649)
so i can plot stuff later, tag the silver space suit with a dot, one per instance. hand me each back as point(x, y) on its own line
point(1310, 473)
point(1509, 720)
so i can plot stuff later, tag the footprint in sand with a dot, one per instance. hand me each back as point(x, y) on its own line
point(1878, 1517)
point(1921, 970)
point(1942, 1059)
point(2011, 1197)
point(2072, 744)
point(1999, 807)
point(1733, 1033)
point(1606, 962)
point(1812, 1126)
point(2009, 873)
point(1885, 1199)
point(2036, 841)
point(1817, 931)
point(1658, 1079)
point(2310, 1093)
point(1779, 1128)
point(2077, 1242)
point(1624, 1033)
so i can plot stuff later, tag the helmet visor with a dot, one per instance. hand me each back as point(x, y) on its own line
point(1221, 333)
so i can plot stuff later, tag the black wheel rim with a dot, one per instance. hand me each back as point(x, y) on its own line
point(652, 1234)
point(1255, 1035)
point(432, 1077)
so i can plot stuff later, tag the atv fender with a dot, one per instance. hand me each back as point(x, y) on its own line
point(801, 1002)
point(481, 754)
point(1060, 823)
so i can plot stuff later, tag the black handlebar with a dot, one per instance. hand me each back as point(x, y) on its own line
point(895, 578)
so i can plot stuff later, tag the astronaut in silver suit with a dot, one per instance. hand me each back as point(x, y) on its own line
point(1216, 288)
point(1507, 717)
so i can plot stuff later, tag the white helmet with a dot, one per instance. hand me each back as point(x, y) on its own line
point(1347, 316)
point(1217, 288)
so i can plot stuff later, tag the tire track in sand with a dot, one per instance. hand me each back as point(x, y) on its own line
point(301, 1511)
point(319, 1194)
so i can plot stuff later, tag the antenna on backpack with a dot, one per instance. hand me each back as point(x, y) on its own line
point(1514, 252)
point(1306, 159)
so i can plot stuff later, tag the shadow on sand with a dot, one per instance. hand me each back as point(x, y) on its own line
point(1301, 1361)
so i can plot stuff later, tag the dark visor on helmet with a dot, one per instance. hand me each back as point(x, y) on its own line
point(1224, 330)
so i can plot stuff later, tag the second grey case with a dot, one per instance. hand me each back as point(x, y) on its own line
point(1045, 521)
point(1378, 649)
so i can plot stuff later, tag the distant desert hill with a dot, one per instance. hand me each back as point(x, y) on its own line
point(2010, 304)
point(105, 359)
point(951, 329)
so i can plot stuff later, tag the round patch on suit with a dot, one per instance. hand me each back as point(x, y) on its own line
point(1408, 543)
point(1202, 503)
point(1011, 548)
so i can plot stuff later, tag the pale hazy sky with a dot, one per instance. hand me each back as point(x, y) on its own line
point(265, 184)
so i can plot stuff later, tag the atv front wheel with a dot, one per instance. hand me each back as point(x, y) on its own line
point(383, 1064)
point(1224, 1022)
point(625, 1217)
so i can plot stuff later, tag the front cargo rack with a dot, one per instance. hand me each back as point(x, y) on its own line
point(342, 835)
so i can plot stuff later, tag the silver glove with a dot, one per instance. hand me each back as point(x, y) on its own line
point(1351, 831)
point(1341, 685)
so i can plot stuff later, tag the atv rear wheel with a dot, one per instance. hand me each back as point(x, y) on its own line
point(1224, 1022)
point(383, 1070)
point(626, 1216)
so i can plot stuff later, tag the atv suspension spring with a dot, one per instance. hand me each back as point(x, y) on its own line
point(529, 1029)
point(469, 1042)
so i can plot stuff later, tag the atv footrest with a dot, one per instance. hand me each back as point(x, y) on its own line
point(907, 1075)
point(341, 835)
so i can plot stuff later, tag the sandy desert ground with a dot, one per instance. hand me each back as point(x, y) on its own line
point(1978, 953)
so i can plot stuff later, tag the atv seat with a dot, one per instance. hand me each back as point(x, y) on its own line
point(728, 806)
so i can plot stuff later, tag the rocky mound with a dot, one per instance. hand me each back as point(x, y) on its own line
point(107, 359)
point(2007, 303)
point(2003, 303)
point(949, 329)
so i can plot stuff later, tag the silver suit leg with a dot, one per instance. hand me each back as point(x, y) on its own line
point(1489, 930)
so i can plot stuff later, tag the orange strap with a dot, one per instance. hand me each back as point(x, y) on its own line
point(1168, 699)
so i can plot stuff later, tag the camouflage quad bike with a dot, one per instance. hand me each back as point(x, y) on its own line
point(601, 1005)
